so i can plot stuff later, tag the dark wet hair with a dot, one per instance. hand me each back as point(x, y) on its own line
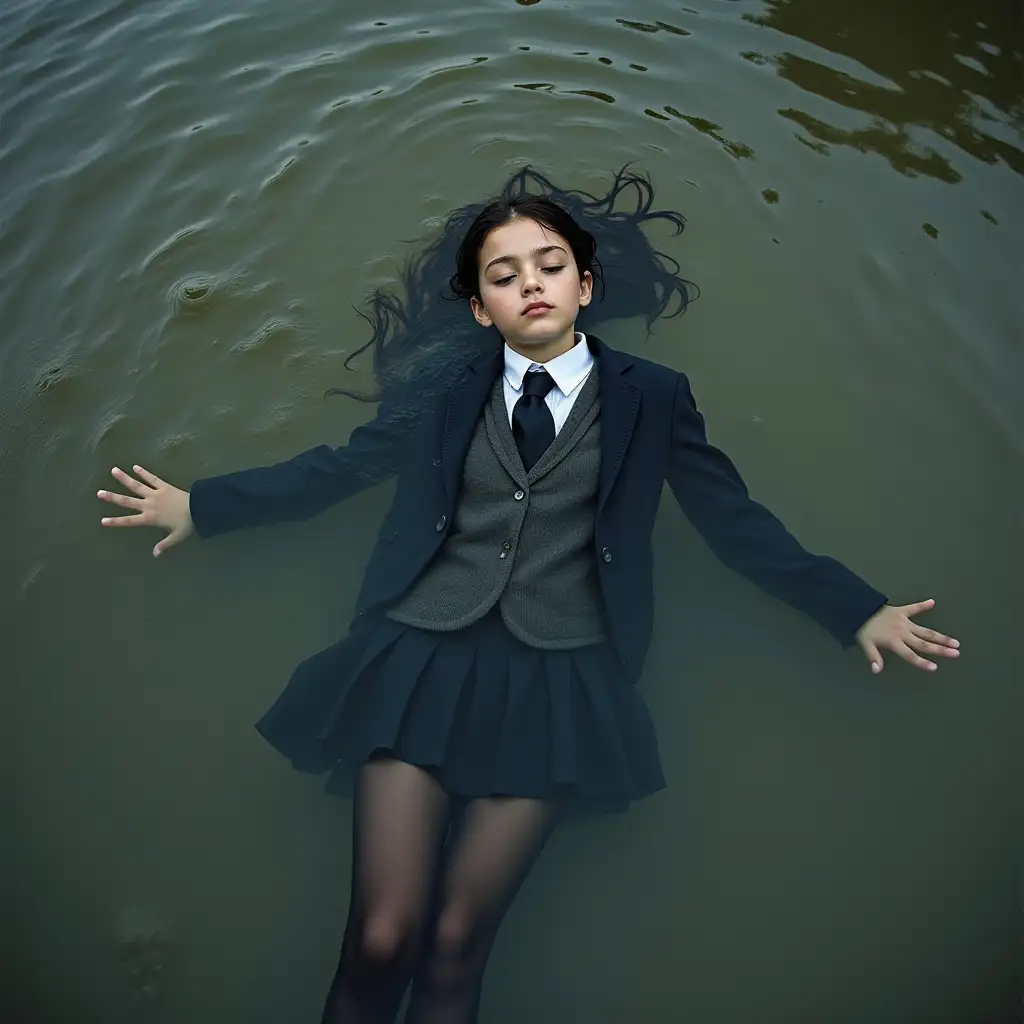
point(465, 282)
point(417, 343)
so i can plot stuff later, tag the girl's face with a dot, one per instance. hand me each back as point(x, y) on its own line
point(522, 263)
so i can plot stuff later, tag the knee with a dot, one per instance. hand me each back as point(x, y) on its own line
point(456, 953)
point(386, 941)
point(456, 935)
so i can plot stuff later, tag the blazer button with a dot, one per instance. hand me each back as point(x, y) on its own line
point(606, 554)
point(519, 495)
point(440, 523)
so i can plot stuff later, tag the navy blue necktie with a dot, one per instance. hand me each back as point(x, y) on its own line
point(533, 426)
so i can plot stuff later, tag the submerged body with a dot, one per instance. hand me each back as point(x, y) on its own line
point(486, 687)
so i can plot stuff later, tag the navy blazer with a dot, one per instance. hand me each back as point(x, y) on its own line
point(651, 432)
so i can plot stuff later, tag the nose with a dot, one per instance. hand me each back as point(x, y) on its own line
point(532, 280)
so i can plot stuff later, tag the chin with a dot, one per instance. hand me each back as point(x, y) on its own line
point(545, 331)
point(536, 339)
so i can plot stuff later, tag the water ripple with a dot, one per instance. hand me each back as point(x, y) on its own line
point(158, 148)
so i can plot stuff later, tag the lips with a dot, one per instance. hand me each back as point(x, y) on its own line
point(537, 306)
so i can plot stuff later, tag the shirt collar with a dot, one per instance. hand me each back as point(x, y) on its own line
point(568, 370)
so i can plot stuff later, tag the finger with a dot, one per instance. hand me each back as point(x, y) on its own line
point(129, 481)
point(120, 499)
point(929, 648)
point(151, 478)
point(168, 542)
point(933, 635)
point(137, 520)
point(873, 656)
point(915, 659)
point(920, 606)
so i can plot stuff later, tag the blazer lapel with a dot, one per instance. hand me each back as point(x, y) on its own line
point(466, 398)
point(500, 434)
point(581, 415)
point(620, 403)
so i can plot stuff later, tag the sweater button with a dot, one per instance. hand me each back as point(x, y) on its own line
point(519, 495)
point(440, 523)
point(606, 554)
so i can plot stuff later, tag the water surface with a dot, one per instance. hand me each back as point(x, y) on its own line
point(194, 196)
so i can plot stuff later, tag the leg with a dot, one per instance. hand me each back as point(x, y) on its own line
point(400, 817)
point(485, 864)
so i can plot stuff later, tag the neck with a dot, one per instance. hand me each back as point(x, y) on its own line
point(546, 350)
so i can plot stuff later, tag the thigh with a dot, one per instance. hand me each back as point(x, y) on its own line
point(494, 845)
point(400, 818)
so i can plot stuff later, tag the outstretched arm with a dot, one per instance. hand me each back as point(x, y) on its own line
point(750, 540)
point(311, 481)
point(295, 489)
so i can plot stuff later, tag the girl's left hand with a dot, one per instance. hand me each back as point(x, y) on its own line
point(894, 629)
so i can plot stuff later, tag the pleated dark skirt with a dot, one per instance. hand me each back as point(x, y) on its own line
point(486, 713)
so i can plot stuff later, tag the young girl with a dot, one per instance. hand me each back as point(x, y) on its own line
point(485, 690)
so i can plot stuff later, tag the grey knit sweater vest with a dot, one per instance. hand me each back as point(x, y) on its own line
point(524, 541)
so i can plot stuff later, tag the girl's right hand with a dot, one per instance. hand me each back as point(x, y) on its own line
point(157, 502)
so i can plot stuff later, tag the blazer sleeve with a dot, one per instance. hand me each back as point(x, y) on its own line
point(308, 483)
point(750, 540)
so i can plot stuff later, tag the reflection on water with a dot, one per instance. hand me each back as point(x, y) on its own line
point(713, 131)
point(960, 75)
point(655, 26)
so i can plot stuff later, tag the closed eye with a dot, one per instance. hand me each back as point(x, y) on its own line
point(547, 270)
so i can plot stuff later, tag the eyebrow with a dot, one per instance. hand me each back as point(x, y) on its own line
point(535, 252)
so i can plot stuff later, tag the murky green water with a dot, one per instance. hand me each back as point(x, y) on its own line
point(194, 195)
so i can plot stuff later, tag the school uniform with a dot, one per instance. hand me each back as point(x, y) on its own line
point(505, 613)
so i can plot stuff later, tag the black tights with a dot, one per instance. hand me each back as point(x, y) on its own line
point(424, 909)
